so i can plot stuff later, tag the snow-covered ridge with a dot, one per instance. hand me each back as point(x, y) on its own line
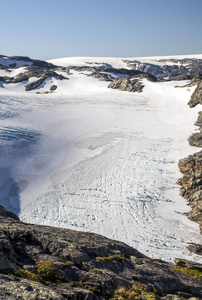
point(115, 62)
point(23, 74)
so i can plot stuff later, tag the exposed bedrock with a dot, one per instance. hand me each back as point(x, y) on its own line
point(66, 264)
point(191, 185)
point(191, 167)
point(32, 69)
point(42, 75)
point(111, 70)
point(196, 97)
point(131, 83)
point(28, 61)
point(127, 84)
point(168, 68)
point(196, 138)
point(102, 76)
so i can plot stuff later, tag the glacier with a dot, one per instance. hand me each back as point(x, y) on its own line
point(100, 160)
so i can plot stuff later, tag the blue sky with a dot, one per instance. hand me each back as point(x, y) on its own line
point(47, 29)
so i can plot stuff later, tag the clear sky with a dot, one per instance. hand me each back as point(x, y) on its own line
point(47, 29)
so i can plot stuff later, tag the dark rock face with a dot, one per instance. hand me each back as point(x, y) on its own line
point(53, 87)
point(88, 264)
point(2, 79)
point(170, 68)
point(102, 76)
point(42, 75)
point(106, 73)
point(35, 62)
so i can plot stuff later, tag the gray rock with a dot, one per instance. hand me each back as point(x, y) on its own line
point(196, 97)
point(168, 72)
point(88, 264)
point(191, 167)
point(53, 87)
point(130, 84)
point(196, 139)
point(195, 248)
point(191, 184)
point(112, 71)
point(5, 263)
point(102, 76)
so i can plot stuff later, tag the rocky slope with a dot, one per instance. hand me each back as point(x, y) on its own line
point(191, 184)
point(122, 79)
point(38, 71)
point(41, 262)
point(191, 167)
point(35, 70)
point(196, 97)
point(168, 68)
point(131, 83)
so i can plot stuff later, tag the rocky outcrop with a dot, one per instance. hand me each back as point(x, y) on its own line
point(131, 83)
point(195, 248)
point(42, 262)
point(196, 138)
point(100, 72)
point(42, 75)
point(28, 61)
point(53, 87)
point(102, 76)
point(168, 69)
point(33, 68)
point(2, 79)
point(196, 97)
point(191, 185)
point(191, 167)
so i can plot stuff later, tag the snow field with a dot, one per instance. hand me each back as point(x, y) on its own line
point(115, 61)
point(103, 161)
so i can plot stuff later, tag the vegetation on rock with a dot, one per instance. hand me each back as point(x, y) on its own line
point(66, 264)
